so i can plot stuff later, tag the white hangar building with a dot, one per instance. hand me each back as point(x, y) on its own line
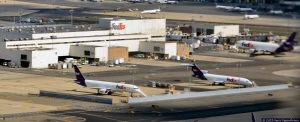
point(39, 45)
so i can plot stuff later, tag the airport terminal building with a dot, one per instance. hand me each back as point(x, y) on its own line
point(38, 46)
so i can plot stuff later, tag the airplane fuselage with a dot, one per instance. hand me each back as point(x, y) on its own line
point(227, 79)
point(154, 11)
point(258, 46)
point(111, 86)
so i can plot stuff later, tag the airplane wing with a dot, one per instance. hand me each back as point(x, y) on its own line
point(100, 88)
point(219, 81)
point(216, 79)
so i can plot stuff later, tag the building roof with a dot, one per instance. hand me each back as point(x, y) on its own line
point(32, 49)
point(83, 45)
point(24, 32)
point(162, 42)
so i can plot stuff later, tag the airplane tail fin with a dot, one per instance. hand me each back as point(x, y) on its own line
point(287, 45)
point(253, 117)
point(79, 77)
point(197, 72)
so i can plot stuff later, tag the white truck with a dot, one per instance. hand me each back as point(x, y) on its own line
point(253, 16)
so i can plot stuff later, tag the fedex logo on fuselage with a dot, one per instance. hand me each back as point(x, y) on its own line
point(232, 80)
point(121, 87)
point(119, 26)
point(245, 44)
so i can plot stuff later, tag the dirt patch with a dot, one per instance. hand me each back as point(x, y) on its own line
point(288, 73)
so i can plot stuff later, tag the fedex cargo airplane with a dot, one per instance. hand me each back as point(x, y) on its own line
point(232, 8)
point(273, 48)
point(220, 79)
point(105, 87)
point(243, 9)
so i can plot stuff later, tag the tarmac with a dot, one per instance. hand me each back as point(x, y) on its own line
point(19, 88)
point(288, 73)
point(186, 12)
point(226, 19)
point(27, 83)
point(17, 8)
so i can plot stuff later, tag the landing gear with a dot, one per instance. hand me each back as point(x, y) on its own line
point(275, 55)
point(222, 84)
point(252, 52)
point(98, 91)
point(109, 93)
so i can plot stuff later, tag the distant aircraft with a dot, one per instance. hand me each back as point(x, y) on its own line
point(276, 12)
point(253, 16)
point(105, 87)
point(220, 79)
point(243, 9)
point(232, 8)
point(225, 7)
point(154, 11)
point(273, 48)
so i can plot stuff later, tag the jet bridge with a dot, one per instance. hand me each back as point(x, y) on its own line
point(190, 95)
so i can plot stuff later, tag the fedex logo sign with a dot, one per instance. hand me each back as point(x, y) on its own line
point(231, 80)
point(121, 87)
point(245, 44)
point(119, 26)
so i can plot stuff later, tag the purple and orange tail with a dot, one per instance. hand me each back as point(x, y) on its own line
point(197, 72)
point(288, 45)
point(79, 77)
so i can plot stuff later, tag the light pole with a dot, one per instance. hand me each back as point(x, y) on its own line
point(238, 71)
point(71, 14)
point(20, 15)
point(132, 71)
point(189, 74)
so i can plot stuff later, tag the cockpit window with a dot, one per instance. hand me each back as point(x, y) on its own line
point(135, 88)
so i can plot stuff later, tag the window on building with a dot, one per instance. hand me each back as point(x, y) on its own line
point(23, 57)
point(156, 48)
point(87, 53)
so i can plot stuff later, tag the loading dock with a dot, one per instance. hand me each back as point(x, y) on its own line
point(25, 64)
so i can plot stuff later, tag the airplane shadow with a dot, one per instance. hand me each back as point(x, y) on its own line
point(96, 94)
point(89, 93)
point(268, 54)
